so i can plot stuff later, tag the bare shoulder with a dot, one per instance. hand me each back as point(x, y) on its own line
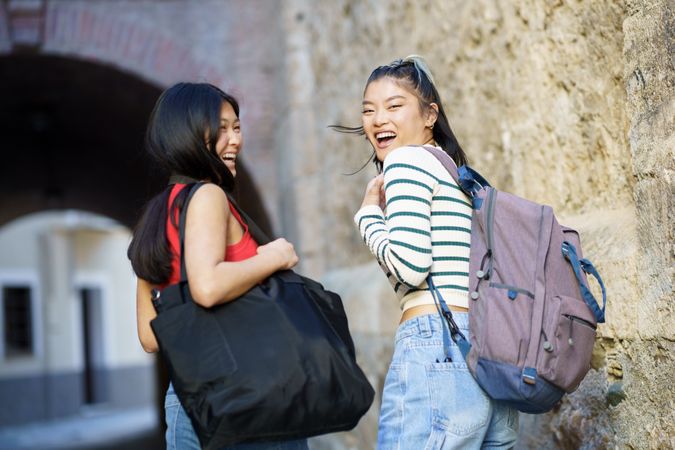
point(208, 198)
point(209, 192)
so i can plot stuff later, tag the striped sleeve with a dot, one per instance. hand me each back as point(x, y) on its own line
point(401, 240)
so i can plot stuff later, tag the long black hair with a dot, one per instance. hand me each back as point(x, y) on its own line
point(181, 139)
point(413, 74)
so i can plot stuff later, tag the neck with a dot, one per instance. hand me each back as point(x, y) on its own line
point(431, 141)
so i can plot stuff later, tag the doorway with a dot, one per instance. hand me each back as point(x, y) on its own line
point(94, 386)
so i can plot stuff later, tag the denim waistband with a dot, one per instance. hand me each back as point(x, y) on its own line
point(429, 324)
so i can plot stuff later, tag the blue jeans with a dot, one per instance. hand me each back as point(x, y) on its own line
point(180, 435)
point(432, 404)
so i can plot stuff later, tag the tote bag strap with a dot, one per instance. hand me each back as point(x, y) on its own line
point(258, 234)
point(181, 229)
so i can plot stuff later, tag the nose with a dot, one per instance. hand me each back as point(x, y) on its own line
point(234, 138)
point(380, 117)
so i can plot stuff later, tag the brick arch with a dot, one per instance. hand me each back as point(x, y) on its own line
point(73, 139)
point(233, 45)
point(88, 31)
point(133, 46)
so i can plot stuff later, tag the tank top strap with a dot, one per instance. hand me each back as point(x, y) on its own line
point(238, 217)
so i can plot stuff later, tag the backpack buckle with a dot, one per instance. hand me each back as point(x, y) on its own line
point(530, 376)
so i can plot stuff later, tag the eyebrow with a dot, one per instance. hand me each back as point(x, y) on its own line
point(387, 100)
point(227, 121)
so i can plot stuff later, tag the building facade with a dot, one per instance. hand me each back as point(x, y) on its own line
point(68, 319)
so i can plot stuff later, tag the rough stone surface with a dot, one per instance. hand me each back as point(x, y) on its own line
point(568, 103)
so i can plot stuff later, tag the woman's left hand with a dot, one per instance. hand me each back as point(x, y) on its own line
point(375, 193)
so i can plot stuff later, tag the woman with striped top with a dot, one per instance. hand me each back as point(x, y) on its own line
point(417, 222)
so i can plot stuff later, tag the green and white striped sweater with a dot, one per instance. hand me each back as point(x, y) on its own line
point(427, 228)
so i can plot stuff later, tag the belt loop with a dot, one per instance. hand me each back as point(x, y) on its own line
point(424, 326)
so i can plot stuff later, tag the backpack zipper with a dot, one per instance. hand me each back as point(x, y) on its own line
point(512, 288)
point(581, 321)
point(490, 218)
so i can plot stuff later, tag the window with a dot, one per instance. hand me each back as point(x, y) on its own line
point(18, 323)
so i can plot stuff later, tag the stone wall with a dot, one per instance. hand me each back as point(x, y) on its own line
point(568, 103)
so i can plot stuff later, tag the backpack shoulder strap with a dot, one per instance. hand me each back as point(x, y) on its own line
point(445, 160)
point(466, 178)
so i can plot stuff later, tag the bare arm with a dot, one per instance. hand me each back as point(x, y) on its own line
point(145, 312)
point(212, 280)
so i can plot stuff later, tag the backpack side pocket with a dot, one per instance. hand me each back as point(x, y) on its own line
point(567, 342)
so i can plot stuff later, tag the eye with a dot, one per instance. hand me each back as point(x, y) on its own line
point(396, 106)
point(367, 111)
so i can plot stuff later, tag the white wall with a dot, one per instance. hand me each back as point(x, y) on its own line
point(57, 253)
point(100, 259)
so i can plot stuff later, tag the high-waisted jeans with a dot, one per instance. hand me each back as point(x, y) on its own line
point(180, 435)
point(432, 404)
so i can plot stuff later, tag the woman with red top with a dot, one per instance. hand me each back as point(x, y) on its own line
point(194, 132)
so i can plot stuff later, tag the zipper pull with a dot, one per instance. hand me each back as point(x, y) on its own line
point(547, 344)
point(570, 340)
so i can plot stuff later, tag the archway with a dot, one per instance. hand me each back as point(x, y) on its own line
point(72, 134)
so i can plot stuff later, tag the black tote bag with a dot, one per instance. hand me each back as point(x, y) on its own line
point(277, 363)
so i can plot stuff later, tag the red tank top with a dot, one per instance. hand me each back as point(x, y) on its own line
point(244, 249)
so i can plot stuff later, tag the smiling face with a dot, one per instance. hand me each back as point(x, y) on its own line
point(392, 117)
point(229, 143)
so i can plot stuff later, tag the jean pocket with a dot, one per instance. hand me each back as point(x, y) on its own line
point(512, 420)
point(459, 405)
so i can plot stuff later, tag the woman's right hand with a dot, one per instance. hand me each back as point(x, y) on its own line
point(375, 193)
point(282, 250)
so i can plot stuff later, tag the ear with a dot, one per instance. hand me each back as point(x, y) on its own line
point(432, 115)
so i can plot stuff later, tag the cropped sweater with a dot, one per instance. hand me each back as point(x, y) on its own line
point(426, 229)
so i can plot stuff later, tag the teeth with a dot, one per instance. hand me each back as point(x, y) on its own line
point(385, 134)
point(230, 156)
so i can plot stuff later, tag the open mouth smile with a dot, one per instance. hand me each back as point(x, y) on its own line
point(232, 157)
point(384, 138)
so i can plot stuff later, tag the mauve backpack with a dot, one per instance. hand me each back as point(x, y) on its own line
point(531, 315)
